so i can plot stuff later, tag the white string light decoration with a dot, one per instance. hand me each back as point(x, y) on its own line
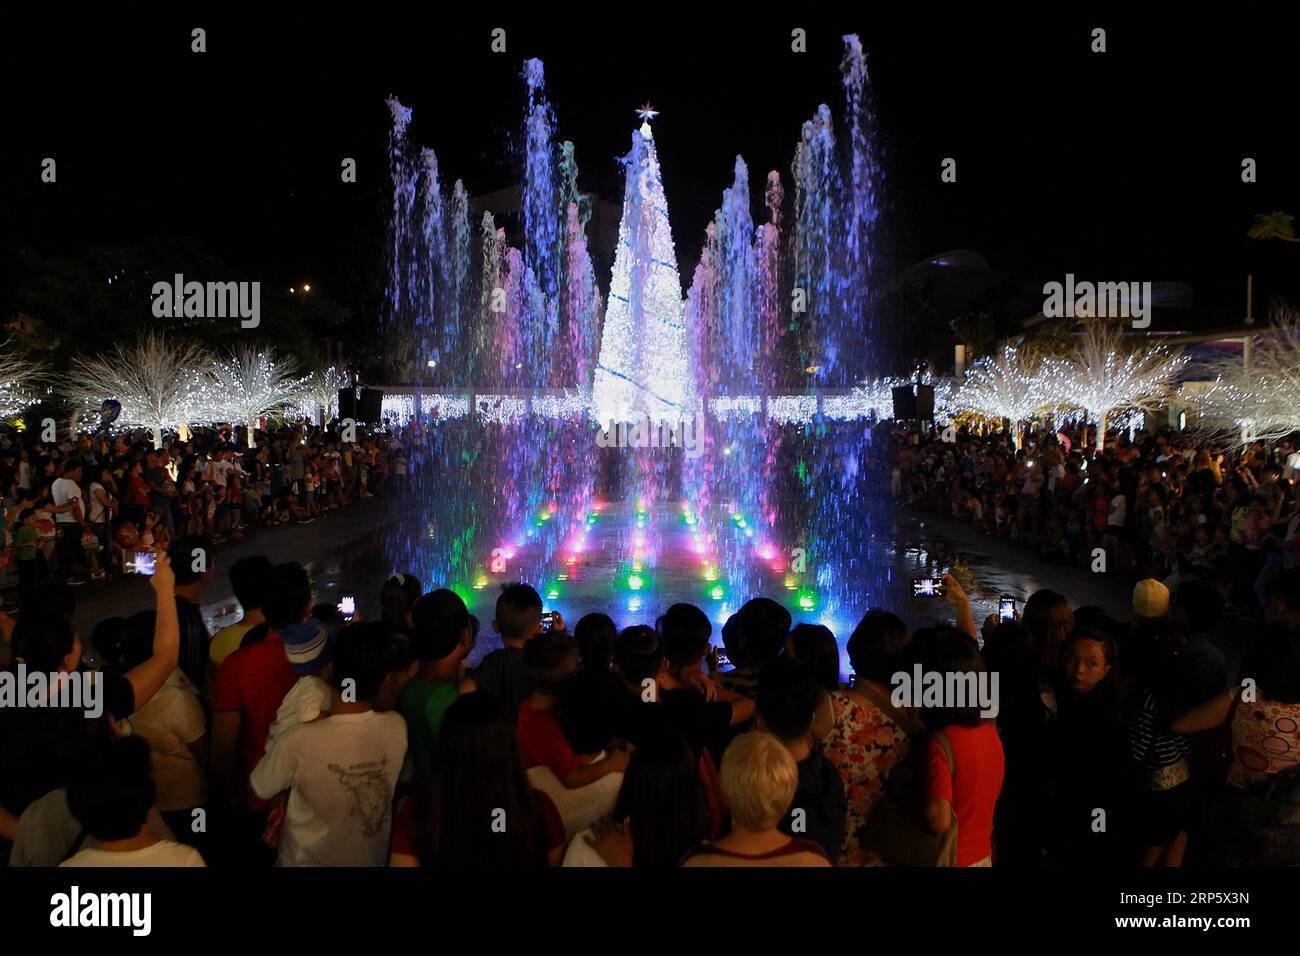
point(158, 381)
point(1104, 371)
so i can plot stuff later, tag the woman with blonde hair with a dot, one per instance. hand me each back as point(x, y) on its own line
point(759, 778)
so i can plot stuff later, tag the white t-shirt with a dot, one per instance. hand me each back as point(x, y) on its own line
point(1292, 465)
point(98, 513)
point(170, 721)
point(62, 491)
point(341, 773)
point(1118, 511)
point(162, 853)
point(579, 854)
point(307, 699)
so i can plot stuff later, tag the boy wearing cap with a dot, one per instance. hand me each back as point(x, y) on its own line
point(310, 649)
point(443, 635)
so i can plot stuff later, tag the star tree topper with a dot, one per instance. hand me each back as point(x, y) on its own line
point(647, 113)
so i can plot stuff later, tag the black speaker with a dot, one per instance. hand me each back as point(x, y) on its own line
point(925, 403)
point(347, 403)
point(905, 403)
point(371, 407)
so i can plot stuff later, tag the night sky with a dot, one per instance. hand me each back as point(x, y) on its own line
point(1123, 166)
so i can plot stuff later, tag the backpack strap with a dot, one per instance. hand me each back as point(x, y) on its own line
point(909, 724)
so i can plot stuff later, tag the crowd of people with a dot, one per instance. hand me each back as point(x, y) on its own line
point(297, 738)
point(1166, 505)
point(77, 510)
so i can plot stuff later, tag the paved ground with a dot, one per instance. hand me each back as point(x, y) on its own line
point(316, 544)
point(342, 551)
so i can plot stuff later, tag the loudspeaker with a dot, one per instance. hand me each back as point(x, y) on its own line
point(905, 403)
point(371, 406)
point(925, 403)
point(347, 403)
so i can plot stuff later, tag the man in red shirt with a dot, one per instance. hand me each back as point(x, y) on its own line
point(251, 685)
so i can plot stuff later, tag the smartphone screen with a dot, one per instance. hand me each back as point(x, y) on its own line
point(548, 621)
point(139, 562)
point(928, 587)
point(347, 606)
point(1006, 608)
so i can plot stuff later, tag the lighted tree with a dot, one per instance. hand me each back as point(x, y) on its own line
point(644, 354)
point(1103, 371)
point(158, 381)
point(320, 392)
point(1259, 401)
point(249, 384)
point(1006, 385)
point(18, 378)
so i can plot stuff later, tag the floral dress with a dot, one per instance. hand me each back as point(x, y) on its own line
point(864, 744)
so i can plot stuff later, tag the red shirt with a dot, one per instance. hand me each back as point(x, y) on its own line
point(973, 789)
point(137, 490)
point(253, 680)
point(543, 742)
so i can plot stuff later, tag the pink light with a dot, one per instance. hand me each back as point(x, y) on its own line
point(767, 552)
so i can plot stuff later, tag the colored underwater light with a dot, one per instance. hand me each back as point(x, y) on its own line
point(717, 592)
point(480, 582)
point(710, 573)
point(635, 581)
point(807, 600)
point(634, 603)
point(553, 593)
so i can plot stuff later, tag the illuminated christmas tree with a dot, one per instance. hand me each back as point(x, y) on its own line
point(644, 368)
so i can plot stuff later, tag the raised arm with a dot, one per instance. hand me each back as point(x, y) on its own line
point(146, 678)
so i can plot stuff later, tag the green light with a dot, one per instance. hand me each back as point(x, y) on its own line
point(807, 600)
point(634, 582)
point(552, 594)
point(717, 592)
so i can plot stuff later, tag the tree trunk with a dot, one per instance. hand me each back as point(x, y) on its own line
point(1101, 431)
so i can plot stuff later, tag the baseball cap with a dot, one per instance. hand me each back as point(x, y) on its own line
point(309, 646)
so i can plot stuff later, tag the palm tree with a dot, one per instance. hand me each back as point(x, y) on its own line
point(1273, 225)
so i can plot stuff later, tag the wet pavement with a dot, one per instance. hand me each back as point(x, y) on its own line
point(344, 552)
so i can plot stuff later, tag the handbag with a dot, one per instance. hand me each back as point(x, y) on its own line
point(896, 830)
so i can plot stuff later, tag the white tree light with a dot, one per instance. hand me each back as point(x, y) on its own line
point(17, 376)
point(320, 392)
point(1259, 402)
point(249, 384)
point(1004, 386)
point(644, 351)
point(1103, 371)
point(158, 382)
